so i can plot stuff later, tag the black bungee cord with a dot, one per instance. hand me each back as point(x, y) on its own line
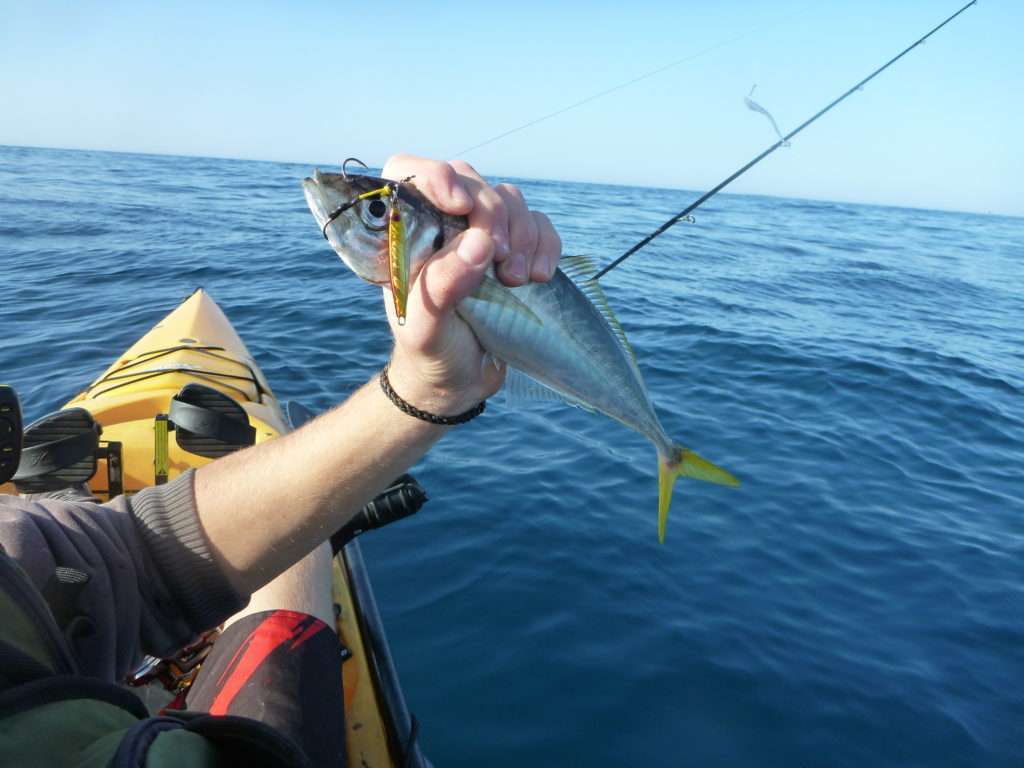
point(685, 213)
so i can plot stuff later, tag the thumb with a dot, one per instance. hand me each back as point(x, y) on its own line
point(455, 272)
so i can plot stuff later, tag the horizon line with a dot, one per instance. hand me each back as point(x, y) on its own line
point(538, 179)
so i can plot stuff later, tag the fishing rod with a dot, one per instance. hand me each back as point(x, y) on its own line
point(682, 215)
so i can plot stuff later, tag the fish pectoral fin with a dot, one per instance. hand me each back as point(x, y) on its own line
point(491, 291)
point(685, 463)
point(521, 388)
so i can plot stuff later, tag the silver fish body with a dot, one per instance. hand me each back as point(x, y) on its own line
point(559, 338)
point(556, 335)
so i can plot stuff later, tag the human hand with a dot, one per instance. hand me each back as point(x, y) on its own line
point(438, 365)
point(526, 245)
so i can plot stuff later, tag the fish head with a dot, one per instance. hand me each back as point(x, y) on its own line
point(359, 233)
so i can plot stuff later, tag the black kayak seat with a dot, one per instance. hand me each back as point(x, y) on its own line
point(209, 423)
point(58, 451)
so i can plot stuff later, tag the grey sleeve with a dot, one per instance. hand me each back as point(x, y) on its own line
point(153, 582)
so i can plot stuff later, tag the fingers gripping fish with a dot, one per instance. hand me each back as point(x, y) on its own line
point(560, 339)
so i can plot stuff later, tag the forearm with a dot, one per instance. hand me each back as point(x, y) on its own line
point(264, 508)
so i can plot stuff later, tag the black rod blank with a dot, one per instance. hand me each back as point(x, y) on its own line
point(721, 185)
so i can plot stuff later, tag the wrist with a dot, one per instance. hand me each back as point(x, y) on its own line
point(409, 385)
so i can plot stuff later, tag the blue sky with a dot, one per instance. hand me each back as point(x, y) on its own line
point(315, 82)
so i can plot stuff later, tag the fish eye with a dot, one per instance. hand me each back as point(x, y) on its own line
point(374, 214)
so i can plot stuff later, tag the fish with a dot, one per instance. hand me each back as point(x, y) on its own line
point(559, 339)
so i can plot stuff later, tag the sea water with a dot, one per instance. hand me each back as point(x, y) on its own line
point(858, 602)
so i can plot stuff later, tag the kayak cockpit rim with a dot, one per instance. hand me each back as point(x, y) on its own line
point(399, 723)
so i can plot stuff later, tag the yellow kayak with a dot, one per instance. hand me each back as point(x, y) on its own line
point(196, 344)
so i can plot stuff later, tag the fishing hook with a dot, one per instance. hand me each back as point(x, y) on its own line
point(344, 166)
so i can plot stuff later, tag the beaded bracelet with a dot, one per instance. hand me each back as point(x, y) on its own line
point(412, 410)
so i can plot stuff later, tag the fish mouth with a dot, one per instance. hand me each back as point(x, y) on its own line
point(315, 198)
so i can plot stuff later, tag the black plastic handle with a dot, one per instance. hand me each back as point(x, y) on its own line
point(402, 498)
point(10, 432)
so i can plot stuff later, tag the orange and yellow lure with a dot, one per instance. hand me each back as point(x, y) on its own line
point(398, 257)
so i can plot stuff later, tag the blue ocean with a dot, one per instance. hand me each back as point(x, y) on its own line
point(859, 601)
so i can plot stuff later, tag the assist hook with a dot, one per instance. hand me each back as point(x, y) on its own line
point(344, 166)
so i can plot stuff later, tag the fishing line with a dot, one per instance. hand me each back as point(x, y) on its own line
point(613, 89)
point(783, 141)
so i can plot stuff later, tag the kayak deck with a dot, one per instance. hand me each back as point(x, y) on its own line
point(195, 343)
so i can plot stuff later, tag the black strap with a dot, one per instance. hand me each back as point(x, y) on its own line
point(55, 455)
point(208, 423)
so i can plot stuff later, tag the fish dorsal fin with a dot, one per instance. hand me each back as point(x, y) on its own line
point(522, 388)
point(581, 269)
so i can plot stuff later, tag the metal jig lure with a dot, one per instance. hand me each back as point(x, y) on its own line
point(398, 257)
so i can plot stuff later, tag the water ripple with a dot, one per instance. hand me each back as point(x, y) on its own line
point(860, 368)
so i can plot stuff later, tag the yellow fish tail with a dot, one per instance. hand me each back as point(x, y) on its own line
point(688, 464)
